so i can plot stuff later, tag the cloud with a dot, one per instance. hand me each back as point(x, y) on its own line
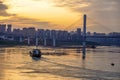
point(94, 5)
point(104, 12)
point(21, 22)
point(3, 8)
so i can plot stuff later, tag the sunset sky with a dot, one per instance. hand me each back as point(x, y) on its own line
point(103, 15)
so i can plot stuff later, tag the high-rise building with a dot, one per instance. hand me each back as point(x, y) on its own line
point(79, 31)
point(41, 33)
point(53, 34)
point(47, 33)
point(25, 32)
point(31, 32)
point(9, 28)
point(17, 32)
point(3, 28)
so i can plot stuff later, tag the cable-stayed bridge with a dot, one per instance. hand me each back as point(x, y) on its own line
point(52, 37)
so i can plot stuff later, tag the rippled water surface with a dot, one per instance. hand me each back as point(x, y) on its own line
point(16, 64)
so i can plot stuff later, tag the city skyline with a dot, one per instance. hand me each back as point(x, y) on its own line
point(61, 36)
point(103, 16)
point(8, 28)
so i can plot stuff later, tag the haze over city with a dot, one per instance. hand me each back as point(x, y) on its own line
point(103, 16)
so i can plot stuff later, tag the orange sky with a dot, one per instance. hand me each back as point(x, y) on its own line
point(59, 14)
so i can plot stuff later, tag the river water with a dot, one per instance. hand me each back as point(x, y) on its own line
point(16, 64)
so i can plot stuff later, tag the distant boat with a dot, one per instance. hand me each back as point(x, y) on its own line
point(35, 53)
point(93, 46)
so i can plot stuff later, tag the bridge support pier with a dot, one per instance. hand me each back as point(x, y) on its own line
point(28, 40)
point(21, 39)
point(54, 42)
point(45, 42)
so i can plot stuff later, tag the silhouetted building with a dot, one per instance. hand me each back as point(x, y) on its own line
point(2, 28)
point(47, 33)
point(78, 33)
point(98, 34)
point(17, 32)
point(31, 32)
point(114, 34)
point(53, 34)
point(9, 28)
point(88, 34)
point(60, 36)
point(41, 33)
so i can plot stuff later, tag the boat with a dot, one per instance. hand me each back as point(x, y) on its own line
point(35, 53)
point(93, 46)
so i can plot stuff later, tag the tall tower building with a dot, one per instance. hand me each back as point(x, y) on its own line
point(79, 31)
point(9, 28)
point(3, 28)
